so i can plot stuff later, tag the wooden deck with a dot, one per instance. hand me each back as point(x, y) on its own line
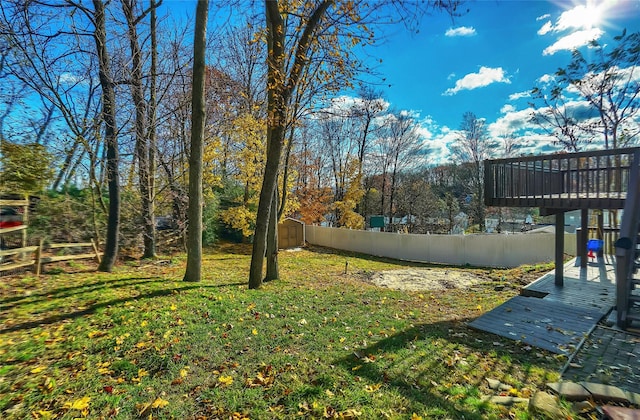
point(556, 318)
point(563, 181)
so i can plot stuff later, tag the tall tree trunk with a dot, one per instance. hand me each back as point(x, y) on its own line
point(275, 135)
point(198, 110)
point(273, 269)
point(142, 144)
point(279, 91)
point(152, 118)
point(111, 140)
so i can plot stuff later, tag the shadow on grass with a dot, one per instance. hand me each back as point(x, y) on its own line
point(94, 307)
point(79, 289)
point(434, 376)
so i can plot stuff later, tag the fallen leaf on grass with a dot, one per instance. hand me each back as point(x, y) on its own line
point(265, 377)
point(143, 408)
point(225, 380)
point(80, 404)
point(372, 388)
point(159, 403)
point(96, 333)
point(44, 414)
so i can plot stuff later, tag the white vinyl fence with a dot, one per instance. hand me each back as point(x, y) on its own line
point(478, 250)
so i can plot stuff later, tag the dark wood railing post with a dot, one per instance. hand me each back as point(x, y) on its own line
point(582, 243)
point(559, 275)
point(488, 182)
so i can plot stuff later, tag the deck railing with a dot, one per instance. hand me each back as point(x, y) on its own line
point(594, 179)
point(626, 246)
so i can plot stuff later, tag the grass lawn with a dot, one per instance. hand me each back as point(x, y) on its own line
point(140, 343)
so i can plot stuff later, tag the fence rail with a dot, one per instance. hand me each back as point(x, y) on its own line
point(40, 259)
point(594, 180)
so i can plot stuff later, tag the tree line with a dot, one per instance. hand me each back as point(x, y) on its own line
point(230, 129)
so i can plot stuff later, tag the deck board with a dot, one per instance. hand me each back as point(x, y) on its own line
point(559, 317)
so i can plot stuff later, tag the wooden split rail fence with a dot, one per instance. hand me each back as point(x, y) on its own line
point(39, 259)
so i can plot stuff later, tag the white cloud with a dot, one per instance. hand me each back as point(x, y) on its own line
point(507, 108)
point(543, 17)
point(451, 76)
point(513, 121)
point(546, 78)
point(581, 16)
point(573, 41)
point(546, 28)
point(519, 95)
point(484, 77)
point(461, 31)
point(439, 144)
point(67, 78)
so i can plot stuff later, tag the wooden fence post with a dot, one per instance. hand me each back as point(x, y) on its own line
point(95, 249)
point(38, 260)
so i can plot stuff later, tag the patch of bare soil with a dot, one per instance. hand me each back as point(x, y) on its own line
point(417, 279)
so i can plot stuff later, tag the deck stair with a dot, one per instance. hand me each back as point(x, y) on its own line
point(628, 254)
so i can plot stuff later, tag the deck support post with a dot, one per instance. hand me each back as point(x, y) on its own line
point(559, 275)
point(584, 237)
point(600, 234)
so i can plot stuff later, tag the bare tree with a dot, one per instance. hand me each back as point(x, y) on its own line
point(142, 128)
point(396, 149)
point(472, 147)
point(198, 109)
point(111, 139)
point(593, 97)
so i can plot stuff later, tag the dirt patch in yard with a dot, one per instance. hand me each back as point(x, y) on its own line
point(417, 279)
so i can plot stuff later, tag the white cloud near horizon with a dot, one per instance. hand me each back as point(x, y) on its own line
point(543, 17)
point(485, 77)
point(572, 41)
point(461, 31)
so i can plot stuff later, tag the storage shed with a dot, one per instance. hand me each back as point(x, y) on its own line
point(290, 233)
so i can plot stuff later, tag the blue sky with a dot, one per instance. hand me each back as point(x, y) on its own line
point(486, 62)
point(489, 59)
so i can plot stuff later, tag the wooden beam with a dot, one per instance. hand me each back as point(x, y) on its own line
point(559, 274)
point(18, 250)
point(11, 266)
point(14, 203)
point(12, 229)
point(582, 243)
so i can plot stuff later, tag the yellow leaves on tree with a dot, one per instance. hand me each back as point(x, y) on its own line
point(246, 135)
point(210, 174)
point(240, 218)
point(345, 208)
point(26, 168)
